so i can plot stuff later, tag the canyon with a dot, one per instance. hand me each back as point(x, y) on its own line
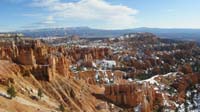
point(137, 72)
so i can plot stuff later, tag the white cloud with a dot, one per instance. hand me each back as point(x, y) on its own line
point(47, 22)
point(98, 11)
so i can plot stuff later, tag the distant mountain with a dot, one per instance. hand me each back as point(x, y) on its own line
point(86, 32)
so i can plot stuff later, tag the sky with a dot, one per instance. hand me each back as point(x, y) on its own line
point(100, 14)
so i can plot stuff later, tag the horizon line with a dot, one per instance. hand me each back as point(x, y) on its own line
point(178, 28)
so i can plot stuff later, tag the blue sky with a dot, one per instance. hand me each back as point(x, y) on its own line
point(101, 14)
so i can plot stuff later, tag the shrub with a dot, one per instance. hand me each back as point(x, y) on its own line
point(11, 91)
point(40, 93)
point(143, 76)
point(62, 108)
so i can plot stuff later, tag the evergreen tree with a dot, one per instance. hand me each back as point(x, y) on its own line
point(11, 91)
point(40, 93)
point(62, 108)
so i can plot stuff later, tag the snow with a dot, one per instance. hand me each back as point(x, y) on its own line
point(171, 73)
point(177, 105)
point(112, 74)
point(193, 105)
point(106, 63)
point(105, 74)
point(155, 88)
point(107, 80)
point(94, 65)
point(195, 91)
point(165, 102)
point(130, 80)
point(162, 86)
point(182, 108)
point(152, 80)
point(188, 94)
point(157, 58)
point(137, 108)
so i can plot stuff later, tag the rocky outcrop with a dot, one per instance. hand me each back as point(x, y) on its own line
point(183, 83)
point(26, 57)
point(88, 54)
point(131, 95)
point(74, 95)
point(62, 66)
point(45, 61)
point(91, 76)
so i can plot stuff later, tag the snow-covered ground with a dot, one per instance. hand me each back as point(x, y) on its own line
point(192, 103)
point(189, 106)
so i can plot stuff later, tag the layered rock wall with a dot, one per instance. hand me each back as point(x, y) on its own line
point(131, 95)
point(46, 61)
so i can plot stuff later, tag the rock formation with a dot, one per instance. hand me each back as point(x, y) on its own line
point(31, 65)
point(131, 95)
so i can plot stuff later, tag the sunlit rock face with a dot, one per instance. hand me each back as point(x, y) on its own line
point(26, 57)
point(94, 79)
point(131, 95)
point(30, 65)
point(62, 66)
point(45, 61)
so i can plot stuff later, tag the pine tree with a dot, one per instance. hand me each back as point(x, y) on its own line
point(11, 91)
point(40, 93)
point(62, 108)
